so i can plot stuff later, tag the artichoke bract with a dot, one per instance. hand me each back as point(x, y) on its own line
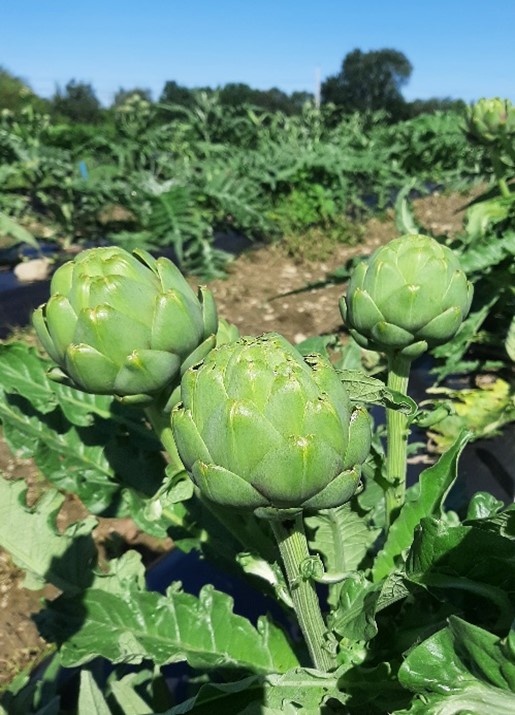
point(124, 324)
point(262, 428)
point(410, 296)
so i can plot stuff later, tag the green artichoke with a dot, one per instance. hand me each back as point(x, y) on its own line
point(489, 120)
point(410, 296)
point(124, 324)
point(262, 428)
point(227, 332)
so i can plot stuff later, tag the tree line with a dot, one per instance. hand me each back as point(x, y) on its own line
point(366, 82)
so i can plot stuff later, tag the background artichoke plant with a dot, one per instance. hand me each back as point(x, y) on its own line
point(124, 324)
point(262, 428)
point(488, 120)
point(410, 295)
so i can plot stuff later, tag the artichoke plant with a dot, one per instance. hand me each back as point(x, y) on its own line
point(489, 120)
point(262, 428)
point(410, 296)
point(124, 324)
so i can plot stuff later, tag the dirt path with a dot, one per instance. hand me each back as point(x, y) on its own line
point(249, 297)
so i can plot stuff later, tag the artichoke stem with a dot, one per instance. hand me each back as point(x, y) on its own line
point(161, 425)
point(504, 188)
point(397, 439)
point(293, 547)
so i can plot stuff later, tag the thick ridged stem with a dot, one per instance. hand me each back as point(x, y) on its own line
point(293, 547)
point(397, 440)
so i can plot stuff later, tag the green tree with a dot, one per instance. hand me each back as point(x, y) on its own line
point(77, 102)
point(369, 81)
point(435, 104)
point(174, 93)
point(272, 100)
point(236, 94)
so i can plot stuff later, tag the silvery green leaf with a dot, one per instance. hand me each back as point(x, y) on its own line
point(435, 483)
point(301, 690)
point(138, 625)
point(35, 544)
point(461, 668)
point(91, 700)
point(269, 572)
point(343, 538)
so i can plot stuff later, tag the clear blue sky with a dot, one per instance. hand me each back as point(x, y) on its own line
point(458, 48)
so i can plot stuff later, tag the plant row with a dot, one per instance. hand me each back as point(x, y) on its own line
point(211, 169)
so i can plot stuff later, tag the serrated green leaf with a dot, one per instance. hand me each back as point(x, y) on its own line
point(175, 488)
point(397, 401)
point(271, 573)
point(300, 690)
point(91, 462)
point(85, 444)
point(342, 538)
point(124, 572)
point(373, 689)
point(316, 344)
point(460, 669)
point(128, 699)
point(482, 506)
point(79, 407)
point(152, 521)
point(230, 698)
point(370, 390)
point(91, 700)
point(434, 484)
point(354, 619)
point(485, 651)
point(473, 700)
point(500, 522)
point(138, 625)
point(303, 687)
point(360, 600)
point(484, 214)
point(465, 558)
point(35, 544)
point(22, 371)
point(63, 457)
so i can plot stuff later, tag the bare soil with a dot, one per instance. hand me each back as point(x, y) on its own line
point(251, 298)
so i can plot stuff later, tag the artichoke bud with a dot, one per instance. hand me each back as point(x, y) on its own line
point(227, 332)
point(124, 324)
point(490, 120)
point(260, 428)
point(410, 296)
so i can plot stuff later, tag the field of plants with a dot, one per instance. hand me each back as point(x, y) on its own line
point(139, 182)
point(331, 551)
